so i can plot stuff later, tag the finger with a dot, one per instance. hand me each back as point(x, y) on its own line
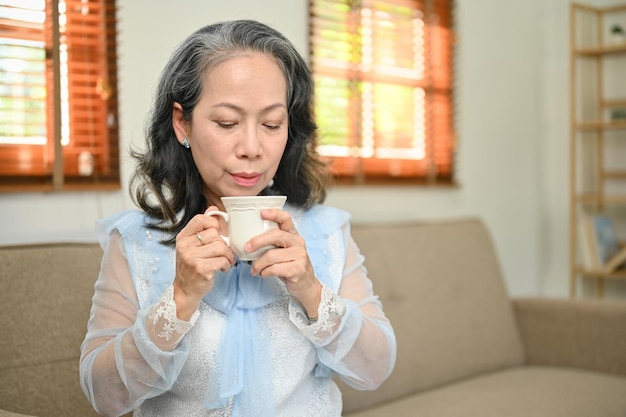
point(205, 237)
point(283, 262)
point(216, 246)
point(203, 256)
point(196, 226)
point(276, 238)
point(281, 217)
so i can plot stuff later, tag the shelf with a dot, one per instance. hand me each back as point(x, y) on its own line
point(593, 198)
point(619, 274)
point(601, 50)
point(600, 125)
point(612, 104)
point(614, 174)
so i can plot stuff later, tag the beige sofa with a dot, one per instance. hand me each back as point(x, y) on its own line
point(464, 347)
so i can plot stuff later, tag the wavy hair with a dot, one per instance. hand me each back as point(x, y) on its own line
point(166, 183)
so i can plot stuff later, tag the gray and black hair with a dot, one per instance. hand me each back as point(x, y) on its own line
point(166, 182)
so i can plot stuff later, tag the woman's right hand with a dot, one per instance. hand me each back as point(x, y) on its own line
point(200, 253)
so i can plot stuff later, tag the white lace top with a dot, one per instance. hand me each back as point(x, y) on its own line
point(138, 356)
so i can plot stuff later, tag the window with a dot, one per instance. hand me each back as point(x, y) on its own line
point(58, 95)
point(383, 88)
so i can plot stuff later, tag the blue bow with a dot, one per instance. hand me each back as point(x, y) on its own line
point(244, 361)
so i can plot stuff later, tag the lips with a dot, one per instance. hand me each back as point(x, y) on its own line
point(246, 179)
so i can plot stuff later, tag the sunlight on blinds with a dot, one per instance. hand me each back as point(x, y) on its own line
point(22, 73)
point(23, 67)
point(387, 45)
point(58, 98)
point(383, 86)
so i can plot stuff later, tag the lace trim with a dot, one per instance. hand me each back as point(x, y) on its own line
point(331, 308)
point(164, 314)
point(330, 314)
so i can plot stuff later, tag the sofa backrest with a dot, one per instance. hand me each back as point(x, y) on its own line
point(440, 284)
point(441, 287)
point(45, 297)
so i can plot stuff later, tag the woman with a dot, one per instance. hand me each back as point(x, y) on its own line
point(178, 326)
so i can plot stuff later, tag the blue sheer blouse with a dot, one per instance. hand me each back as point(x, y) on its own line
point(250, 349)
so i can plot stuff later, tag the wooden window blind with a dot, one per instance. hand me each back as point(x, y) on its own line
point(383, 73)
point(58, 95)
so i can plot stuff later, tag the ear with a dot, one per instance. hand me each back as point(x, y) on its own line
point(181, 126)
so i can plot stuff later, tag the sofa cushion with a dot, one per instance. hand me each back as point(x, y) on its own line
point(442, 289)
point(51, 389)
point(40, 347)
point(518, 392)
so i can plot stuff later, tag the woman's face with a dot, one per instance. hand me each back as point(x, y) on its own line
point(238, 129)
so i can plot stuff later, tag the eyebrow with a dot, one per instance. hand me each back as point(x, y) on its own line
point(240, 109)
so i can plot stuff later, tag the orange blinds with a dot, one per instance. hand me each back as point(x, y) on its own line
point(383, 88)
point(58, 98)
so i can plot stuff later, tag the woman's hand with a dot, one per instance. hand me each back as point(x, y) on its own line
point(289, 260)
point(200, 253)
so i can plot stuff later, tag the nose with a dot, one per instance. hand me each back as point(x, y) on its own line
point(250, 143)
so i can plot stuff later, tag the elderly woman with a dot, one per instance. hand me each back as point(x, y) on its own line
point(179, 326)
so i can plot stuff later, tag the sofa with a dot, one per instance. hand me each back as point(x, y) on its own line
point(465, 348)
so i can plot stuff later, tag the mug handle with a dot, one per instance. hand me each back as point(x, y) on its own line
point(224, 216)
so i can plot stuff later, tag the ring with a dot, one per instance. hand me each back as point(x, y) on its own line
point(200, 238)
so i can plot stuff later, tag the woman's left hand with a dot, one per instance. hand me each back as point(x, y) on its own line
point(289, 260)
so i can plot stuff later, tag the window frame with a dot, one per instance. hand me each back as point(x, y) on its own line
point(90, 95)
point(439, 147)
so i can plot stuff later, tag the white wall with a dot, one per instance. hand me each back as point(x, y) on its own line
point(512, 130)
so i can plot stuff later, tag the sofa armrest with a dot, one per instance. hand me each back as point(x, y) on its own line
point(4, 413)
point(587, 334)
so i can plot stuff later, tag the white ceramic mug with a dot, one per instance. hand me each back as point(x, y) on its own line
point(243, 215)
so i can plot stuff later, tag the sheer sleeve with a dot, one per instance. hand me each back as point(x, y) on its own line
point(353, 336)
point(129, 354)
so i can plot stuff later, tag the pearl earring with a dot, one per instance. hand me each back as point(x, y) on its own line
point(186, 143)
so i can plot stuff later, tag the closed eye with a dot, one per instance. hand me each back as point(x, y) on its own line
point(226, 125)
point(271, 127)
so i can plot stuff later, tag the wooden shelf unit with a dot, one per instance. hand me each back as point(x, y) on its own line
point(594, 128)
point(621, 274)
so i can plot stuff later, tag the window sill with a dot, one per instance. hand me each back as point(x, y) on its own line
point(67, 187)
